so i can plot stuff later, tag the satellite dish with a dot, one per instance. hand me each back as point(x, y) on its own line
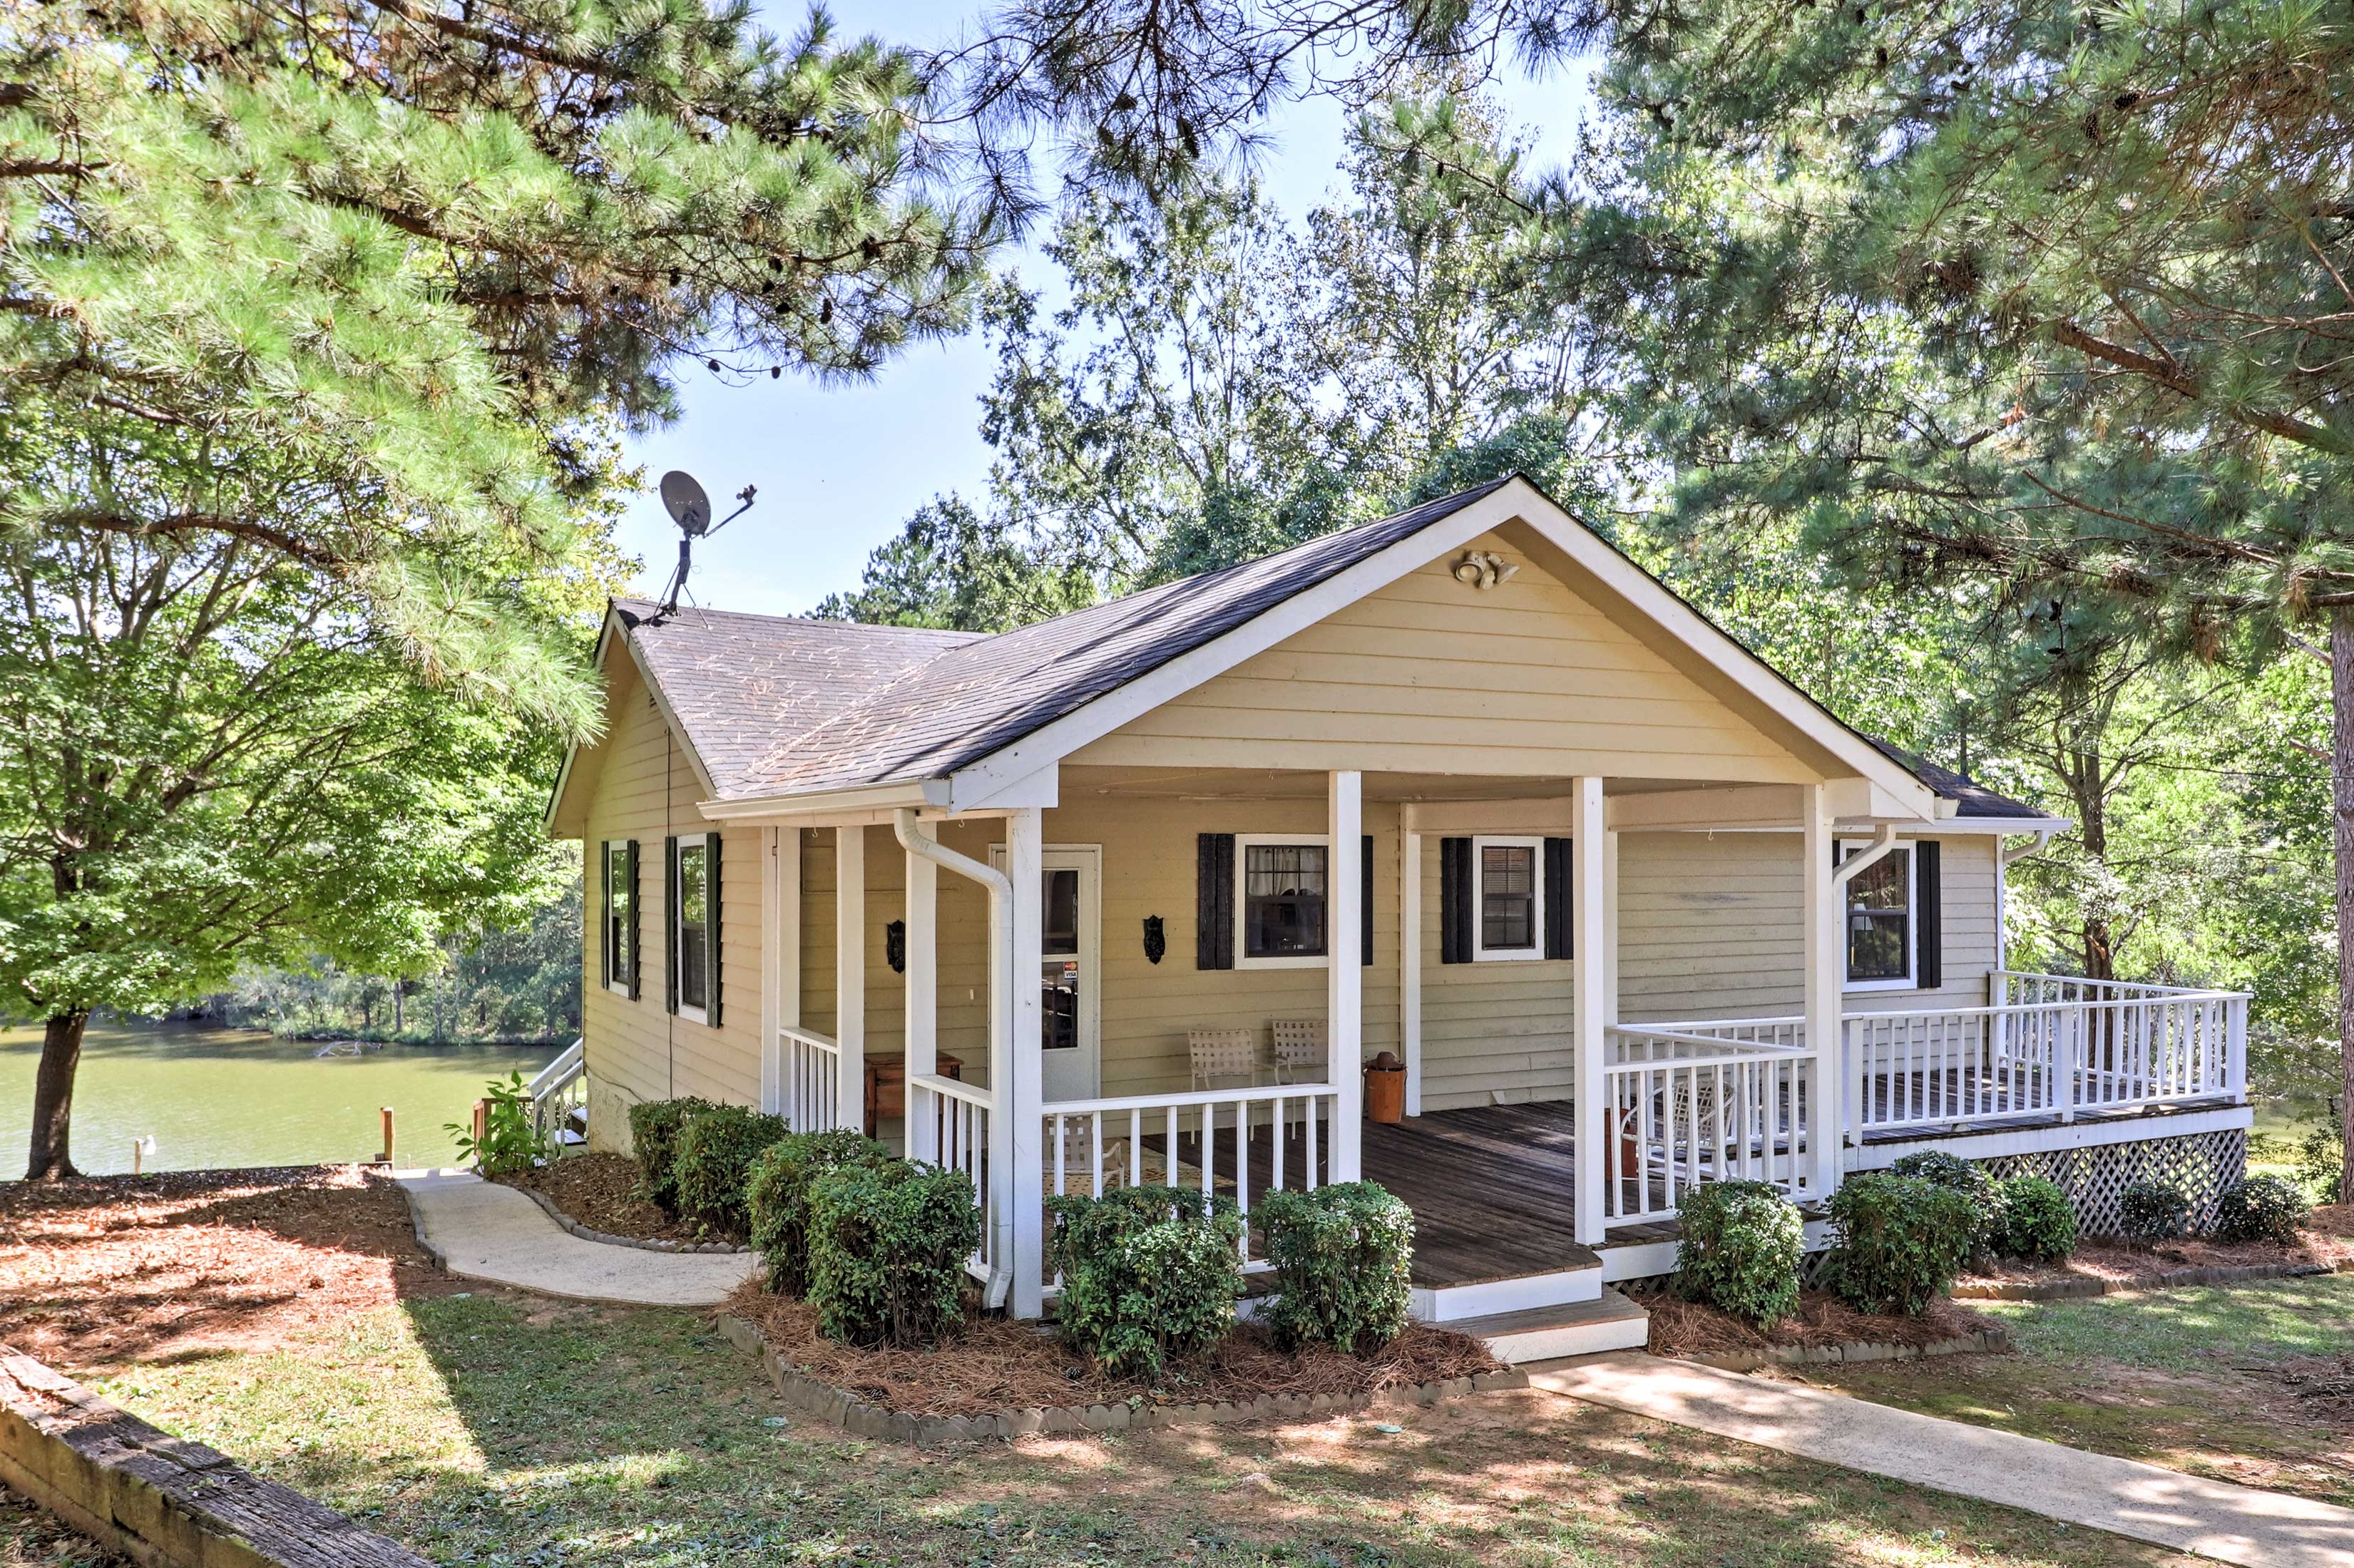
point(689, 507)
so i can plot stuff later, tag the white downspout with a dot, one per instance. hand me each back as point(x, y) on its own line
point(915, 842)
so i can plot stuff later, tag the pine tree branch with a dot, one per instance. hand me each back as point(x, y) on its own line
point(294, 548)
point(2070, 335)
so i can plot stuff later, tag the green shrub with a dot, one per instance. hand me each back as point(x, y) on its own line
point(1740, 1250)
point(1149, 1275)
point(711, 1167)
point(2320, 1163)
point(511, 1143)
point(777, 1197)
point(2035, 1220)
point(1901, 1240)
point(654, 1126)
point(1973, 1180)
point(2261, 1208)
point(887, 1244)
point(1341, 1256)
point(2155, 1211)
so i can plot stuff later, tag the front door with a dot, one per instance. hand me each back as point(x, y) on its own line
point(1070, 970)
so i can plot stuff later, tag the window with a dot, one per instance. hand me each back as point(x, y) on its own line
point(1511, 898)
point(621, 916)
point(1880, 912)
point(1281, 910)
point(690, 926)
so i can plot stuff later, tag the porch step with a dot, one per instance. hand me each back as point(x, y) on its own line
point(1578, 1277)
point(1609, 1323)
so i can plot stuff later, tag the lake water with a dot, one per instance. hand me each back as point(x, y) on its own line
point(213, 1097)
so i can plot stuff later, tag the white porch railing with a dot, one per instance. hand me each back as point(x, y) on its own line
point(559, 1100)
point(1093, 1145)
point(806, 1069)
point(1689, 1103)
point(2049, 1045)
point(947, 1125)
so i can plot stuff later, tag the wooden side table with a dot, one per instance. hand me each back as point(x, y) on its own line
point(887, 1085)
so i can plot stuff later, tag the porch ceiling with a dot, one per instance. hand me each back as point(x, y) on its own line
point(1274, 784)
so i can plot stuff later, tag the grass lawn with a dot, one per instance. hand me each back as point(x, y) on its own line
point(495, 1428)
point(2253, 1383)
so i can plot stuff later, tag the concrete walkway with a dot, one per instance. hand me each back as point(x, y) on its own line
point(2213, 1519)
point(481, 1230)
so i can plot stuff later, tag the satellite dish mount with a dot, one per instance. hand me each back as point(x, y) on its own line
point(690, 508)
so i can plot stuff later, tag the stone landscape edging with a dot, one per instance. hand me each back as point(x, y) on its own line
point(1849, 1353)
point(815, 1396)
point(574, 1227)
point(161, 1501)
point(2085, 1286)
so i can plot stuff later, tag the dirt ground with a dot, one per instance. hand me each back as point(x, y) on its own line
point(1680, 1327)
point(600, 1191)
point(2328, 1243)
point(111, 1270)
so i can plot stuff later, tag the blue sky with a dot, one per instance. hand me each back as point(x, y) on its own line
point(840, 468)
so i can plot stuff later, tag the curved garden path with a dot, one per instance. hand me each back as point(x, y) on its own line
point(481, 1230)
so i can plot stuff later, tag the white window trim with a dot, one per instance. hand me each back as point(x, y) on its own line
point(677, 933)
point(1480, 952)
point(1910, 980)
point(605, 916)
point(1243, 842)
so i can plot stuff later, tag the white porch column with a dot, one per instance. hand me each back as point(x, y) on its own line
point(1410, 958)
point(1826, 961)
point(780, 955)
point(923, 993)
point(1344, 973)
point(1610, 1014)
point(1018, 1080)
point(1589, 925)
point(850, 976)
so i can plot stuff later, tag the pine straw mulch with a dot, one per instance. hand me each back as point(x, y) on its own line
point(997, 1364)
point(598, 1190)
point(1680, 1327)
point(2328, 1241)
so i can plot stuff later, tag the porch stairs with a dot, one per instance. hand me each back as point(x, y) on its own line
point(1568, 1310)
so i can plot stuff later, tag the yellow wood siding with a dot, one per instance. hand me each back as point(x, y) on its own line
point(1431, 675)
point(638, 1050)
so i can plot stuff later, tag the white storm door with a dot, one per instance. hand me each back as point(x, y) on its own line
point(1070, 972)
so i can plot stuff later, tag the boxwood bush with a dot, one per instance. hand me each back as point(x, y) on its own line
point(712, 1168)
point(1740, 1250)
point(1149, 1275)
point(887, 1244)
point(1900, 1241)
point(654, 1126)
point(2155, 1209)
point(1341, 1256)
point(1969, 1177)
point(2261, 1208)
point(2034, 1220)
point(777, 1197)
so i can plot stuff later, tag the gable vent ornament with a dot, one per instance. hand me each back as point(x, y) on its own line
point(1483, 569)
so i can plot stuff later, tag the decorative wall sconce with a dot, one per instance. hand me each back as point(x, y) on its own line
point(1483, 569)
point(894, 946)
point(1156, 939)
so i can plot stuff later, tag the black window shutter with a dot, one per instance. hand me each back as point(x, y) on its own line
point(1457, 905)
point(1214, 901)
point(1365, 900)
point(711, 931)
point(1558, 942)
point(1928, 917)
point(637, 919)
point(670, 923)
point(605, 914)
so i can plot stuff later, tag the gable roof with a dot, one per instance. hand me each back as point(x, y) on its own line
point(1970, 798)
point(772, 707)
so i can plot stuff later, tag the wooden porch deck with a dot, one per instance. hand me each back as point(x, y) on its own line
point(1491, 1187)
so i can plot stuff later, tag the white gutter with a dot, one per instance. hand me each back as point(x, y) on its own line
point(1881, 846)
point(915, 842)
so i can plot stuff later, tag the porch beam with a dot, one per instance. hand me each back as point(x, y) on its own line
point(923, 991)
point(1344, 973)
point(850, 976)
point(1018, 1079)
point(1838, 1097)
point(1589, 998)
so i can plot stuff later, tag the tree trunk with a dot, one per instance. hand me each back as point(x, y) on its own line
point(2341, 790)
point(53, 1087)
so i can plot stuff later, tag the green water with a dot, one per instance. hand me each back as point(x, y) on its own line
point(213, 1097)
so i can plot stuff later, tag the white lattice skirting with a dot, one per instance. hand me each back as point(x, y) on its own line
point(2096, 1179)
